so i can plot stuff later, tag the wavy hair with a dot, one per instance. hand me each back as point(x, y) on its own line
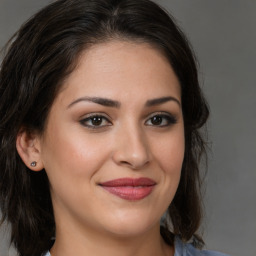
point(38, 58)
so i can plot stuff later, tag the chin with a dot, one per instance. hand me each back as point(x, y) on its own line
point(132, 225)
point(130, 231)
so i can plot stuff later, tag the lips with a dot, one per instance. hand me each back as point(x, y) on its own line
point(129, 188)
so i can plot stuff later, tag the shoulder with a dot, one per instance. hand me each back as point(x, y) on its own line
point(47, 254)
point(187, 249)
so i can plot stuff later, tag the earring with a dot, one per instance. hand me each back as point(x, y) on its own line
point(33, 164)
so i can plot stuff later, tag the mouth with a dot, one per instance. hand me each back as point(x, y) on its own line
point(129, 188)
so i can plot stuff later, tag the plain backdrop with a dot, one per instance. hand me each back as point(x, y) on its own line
point(223, 35)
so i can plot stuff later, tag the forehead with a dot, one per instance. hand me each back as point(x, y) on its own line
point(119, 67)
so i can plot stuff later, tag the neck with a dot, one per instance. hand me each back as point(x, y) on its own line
point(77, 242)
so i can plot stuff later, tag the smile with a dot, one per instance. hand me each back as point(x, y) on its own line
point(129, 188)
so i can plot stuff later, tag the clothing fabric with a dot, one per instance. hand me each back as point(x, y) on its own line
point(185, 249)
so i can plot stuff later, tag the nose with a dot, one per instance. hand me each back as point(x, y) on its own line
point(131, 149)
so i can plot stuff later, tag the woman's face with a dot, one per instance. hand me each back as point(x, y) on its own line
point(114, 141)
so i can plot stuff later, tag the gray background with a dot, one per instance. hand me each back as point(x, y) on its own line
point(224, 38)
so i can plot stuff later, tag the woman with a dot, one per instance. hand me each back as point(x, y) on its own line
point(100, 115)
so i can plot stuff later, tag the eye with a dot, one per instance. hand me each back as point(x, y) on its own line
point(95, 121)
point(161, 120)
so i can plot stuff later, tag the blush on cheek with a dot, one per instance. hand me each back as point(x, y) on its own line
point(172, 156)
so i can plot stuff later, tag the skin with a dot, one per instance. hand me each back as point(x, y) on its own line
point(79, 155)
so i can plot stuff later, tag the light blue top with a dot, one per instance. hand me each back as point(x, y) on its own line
point(182, 249)
point(187, 249)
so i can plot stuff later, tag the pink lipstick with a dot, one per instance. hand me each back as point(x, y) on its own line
point(129, 188)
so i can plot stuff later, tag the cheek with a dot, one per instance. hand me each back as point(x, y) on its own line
point(170, 155)
point(70, 155)
point(71, 161)
point(170, 152)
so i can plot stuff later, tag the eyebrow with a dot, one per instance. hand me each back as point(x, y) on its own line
point(98, 100)
point(161, 100)
point(116, 104)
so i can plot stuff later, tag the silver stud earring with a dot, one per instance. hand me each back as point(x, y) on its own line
point(33, 164)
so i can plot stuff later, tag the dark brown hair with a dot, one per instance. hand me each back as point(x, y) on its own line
point(39, 56)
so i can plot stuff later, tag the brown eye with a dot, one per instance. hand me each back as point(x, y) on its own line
point(156, 120)
point(161, 120)
point(95, 121)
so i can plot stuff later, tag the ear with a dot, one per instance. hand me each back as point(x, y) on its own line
point(28, 147)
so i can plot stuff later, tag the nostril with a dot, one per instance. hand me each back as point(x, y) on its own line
point(134, 165)
point(132, 151)
point(125, 163)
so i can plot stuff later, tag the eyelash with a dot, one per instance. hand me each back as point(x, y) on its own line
point(168, 118)
point(90, 118)
point(159, 117)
